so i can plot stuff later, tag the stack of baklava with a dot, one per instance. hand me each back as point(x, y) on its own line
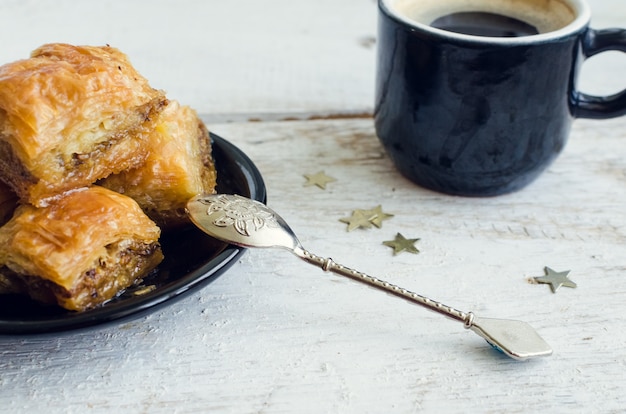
point(94, 163)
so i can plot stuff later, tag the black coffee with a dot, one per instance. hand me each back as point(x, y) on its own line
point(484, 24)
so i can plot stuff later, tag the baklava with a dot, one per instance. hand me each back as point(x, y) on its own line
point(79, 251)
point(179, 166)
point(70, 115)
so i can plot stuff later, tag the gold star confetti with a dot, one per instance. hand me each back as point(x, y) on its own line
point(555, 279)
point(402, 244)
point(319, 179)
point(377, 215)
point(359, 219)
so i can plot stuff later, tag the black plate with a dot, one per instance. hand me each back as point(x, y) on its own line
point(192, 260)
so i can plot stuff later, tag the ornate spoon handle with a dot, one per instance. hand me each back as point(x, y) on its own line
point(328, 265)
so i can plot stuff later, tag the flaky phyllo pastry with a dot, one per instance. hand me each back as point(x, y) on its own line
point(69, 116)
point(179, 166)
point(80, 250)
point(72, 120)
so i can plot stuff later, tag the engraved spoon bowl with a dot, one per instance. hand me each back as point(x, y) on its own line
point(249, 223)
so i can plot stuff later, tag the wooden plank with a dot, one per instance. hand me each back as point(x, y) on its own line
point(220, 56)
point(242, 59)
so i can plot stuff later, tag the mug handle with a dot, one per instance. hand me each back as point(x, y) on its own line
point(601, 107)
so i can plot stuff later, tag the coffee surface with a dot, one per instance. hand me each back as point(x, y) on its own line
point(484, 24)
point(543, 16)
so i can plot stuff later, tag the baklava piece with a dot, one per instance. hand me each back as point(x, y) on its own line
point(79, 251)
point(179, 166)
point(70, 115)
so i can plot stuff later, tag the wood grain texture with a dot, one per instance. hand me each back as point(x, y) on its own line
point(276, 335)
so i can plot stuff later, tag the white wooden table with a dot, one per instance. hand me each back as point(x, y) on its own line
point(274, 335)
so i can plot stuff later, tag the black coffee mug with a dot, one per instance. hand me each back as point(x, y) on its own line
point(480, 106)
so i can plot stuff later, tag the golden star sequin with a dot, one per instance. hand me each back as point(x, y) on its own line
point(358, 220)
point(377, 216)
point(555, 279)
point(402, 244)
point(365, 219)
point(319, 179)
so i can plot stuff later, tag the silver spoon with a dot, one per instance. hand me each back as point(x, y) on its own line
point(249, 223)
